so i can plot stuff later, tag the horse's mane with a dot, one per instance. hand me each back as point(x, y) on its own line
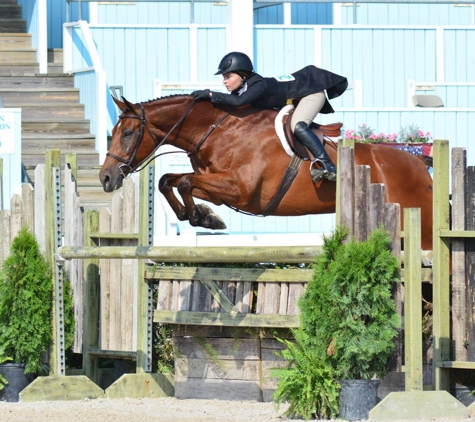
point(166, 97)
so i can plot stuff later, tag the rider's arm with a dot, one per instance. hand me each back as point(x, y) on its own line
point(256, 89)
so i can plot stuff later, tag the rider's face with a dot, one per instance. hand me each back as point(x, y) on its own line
point(232, 81)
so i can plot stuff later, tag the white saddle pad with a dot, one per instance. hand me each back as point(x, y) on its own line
point(279, 128)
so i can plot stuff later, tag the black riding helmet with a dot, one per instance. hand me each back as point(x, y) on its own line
point(236, 62)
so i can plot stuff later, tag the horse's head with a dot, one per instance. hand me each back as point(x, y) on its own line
point(132, 142)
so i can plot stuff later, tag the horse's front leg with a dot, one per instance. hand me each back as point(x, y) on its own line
point(215, 187)
point(165, 185)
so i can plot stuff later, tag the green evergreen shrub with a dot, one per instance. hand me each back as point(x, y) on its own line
point(347, 310)
point(307, 382)
point(26, 293)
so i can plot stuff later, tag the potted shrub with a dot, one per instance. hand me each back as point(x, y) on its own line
point(348, 321)
point(26, 289)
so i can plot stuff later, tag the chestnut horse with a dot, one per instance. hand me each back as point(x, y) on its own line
point(239, 161)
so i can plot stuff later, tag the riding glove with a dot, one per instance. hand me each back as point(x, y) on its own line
point(201, 94)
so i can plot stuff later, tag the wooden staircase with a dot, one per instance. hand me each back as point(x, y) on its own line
point(52, 116)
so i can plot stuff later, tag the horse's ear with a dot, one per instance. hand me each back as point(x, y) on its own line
point(128, 104)
point(119, 103)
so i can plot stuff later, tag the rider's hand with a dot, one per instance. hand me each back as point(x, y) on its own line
point(202, 95)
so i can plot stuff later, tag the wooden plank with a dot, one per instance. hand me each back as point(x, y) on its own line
point(459, 283)
point(247, 297)
point(441, 248)
point(197, 347)
point(6, 234)
point(115, 273)
point(392, 224)
point(195, 294)
point(40, 206)
point(164, 300)
point(268, 275)
point(456, 364)
point(216, 389)
point(377, 201)
point(271, 299)
point(91, 300)
point(413, 305)
point(226, 319)
point(28, 206)
point(295, 291)
point(346, 170)
point(184, 297)
point(73, 236)
point(129, 266)
point(15, 219)
point(105, 217)
point(284, 298)
point(213, 368)
point(219, 296)
point(175, 295)
point(261, 291)
point(470, 260)
point(362, 183)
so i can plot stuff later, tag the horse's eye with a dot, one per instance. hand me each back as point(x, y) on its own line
point(127, 134)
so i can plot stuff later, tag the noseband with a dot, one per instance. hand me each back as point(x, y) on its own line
point(127, 163)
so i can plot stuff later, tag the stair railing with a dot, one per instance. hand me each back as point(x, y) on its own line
point(81, 58)
point(35, 14)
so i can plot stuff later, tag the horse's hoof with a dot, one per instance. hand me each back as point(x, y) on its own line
point(204, 210)
point(215, 222)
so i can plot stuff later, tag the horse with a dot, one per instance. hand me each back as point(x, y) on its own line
point(238, 161)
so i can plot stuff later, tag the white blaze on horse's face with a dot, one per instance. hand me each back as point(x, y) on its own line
point(232, 81)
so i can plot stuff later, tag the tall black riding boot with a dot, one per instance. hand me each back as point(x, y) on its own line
point(308, 139)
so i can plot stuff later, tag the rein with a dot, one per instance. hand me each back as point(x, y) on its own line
point(127, 163)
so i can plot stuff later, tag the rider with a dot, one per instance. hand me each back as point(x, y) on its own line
point(307, 84)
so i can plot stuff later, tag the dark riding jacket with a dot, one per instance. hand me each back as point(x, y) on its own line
point(272, 93)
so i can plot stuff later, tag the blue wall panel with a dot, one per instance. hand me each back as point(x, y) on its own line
point(459, 54)
point(272, 15)
point(212, 47)
point(279, 50)
point(408, 14)
point(312, 13)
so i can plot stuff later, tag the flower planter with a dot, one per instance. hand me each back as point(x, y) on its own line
point(357, 398)
point(17, 381)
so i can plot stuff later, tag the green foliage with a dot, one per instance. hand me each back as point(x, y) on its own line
point(3, 380)
point(26, 290)
point(347, 310)
point(307, 383)
point(164, 355)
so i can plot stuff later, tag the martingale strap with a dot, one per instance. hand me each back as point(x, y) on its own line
point(285, 183)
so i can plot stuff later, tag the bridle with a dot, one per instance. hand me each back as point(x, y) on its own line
point(127, 162)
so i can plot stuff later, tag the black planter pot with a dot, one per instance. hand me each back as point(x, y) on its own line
point(463, 394)
point(357, 398)
point(17, 381)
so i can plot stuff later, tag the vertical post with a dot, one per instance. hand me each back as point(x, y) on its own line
point(441, 285)
point(413, 306)
point(53, 228)
point(144, 289)
point(470, 260)
point(91, 299)
point(345, 188)
point(459, 282)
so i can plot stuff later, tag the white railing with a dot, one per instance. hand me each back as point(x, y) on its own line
point(35, 14)
point(98, 101)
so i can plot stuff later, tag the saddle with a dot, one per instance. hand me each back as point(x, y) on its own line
point(331, 130)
